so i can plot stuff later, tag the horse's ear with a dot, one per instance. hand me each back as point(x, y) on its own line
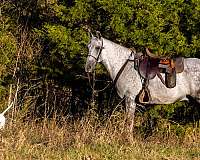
point(88, 29)
point(90, 32)
point(98, 34)
point(91, 35)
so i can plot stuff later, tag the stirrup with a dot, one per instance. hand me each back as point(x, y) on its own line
point(144, 96)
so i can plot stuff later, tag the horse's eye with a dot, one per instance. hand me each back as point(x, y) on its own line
point(97, 47)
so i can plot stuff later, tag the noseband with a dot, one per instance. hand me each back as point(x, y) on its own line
point(99, 51)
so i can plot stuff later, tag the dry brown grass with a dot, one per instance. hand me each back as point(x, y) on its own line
point(92, 139)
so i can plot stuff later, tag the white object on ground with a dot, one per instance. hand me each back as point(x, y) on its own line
point(2, 117)
point(2, 121)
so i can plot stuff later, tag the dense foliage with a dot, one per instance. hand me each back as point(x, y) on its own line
point(43, 47)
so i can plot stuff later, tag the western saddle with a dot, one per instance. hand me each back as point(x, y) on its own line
point(149, 65)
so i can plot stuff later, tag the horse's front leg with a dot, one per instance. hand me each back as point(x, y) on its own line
point(130, 108)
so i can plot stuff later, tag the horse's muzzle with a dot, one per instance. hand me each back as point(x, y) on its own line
point(89, 67)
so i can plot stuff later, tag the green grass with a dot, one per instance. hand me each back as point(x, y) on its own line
point(90, 139)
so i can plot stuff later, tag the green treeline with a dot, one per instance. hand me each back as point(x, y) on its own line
point(43, 46)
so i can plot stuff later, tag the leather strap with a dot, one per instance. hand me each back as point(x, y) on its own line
point(122, 69)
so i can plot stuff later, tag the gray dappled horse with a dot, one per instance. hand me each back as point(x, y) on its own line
point(128, 83)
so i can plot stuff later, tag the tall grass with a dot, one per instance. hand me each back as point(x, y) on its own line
point(91, 138)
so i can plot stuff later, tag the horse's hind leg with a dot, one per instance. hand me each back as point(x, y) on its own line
point(194, 102)
point(130, 107)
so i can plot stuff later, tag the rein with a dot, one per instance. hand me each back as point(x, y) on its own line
point(122, 68)
point(92, 84)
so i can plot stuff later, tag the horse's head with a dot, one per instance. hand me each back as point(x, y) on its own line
point(95, 48)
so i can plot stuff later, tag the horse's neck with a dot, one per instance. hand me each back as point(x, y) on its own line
point(114, 57)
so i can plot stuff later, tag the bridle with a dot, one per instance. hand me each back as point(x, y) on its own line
point(92, 85)
point(99, 51)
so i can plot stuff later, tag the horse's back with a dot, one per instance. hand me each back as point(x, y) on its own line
point(192, 70)
point(191, 61)
point(192, 67)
